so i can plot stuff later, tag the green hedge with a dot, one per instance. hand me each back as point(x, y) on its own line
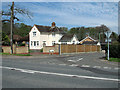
point(114, 51)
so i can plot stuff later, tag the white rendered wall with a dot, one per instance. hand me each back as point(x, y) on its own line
point(42, 37)
point(34, 38)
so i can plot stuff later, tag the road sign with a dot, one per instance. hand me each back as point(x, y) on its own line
point(108, 33)
point(106, 40)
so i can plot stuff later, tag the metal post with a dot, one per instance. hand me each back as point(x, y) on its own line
point(108, 46)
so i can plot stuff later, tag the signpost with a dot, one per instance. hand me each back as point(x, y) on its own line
point(108, 33)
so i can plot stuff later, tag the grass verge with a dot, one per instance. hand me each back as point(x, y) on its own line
point(15, 54)
point(114, 59)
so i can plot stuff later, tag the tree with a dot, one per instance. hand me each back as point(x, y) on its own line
point(119, 38)
point(65, 29)
point(5, 39)
point(11, 13)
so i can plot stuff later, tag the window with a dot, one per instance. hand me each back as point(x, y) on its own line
point(73, 42)
point(31, 43)
point(34, 43)
point(37, 43)
point(34, 34)
point(44, 43)
point(53, 42)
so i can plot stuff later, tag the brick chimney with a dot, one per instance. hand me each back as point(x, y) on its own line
point(53, 24)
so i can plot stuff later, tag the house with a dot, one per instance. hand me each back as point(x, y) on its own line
point(89, 40)
point(41, 36)
point(69, 39)
point(17, 39)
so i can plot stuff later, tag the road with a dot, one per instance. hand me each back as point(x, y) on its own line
point(85, 70)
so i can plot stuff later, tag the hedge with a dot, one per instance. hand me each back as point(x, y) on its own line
point(114, 51)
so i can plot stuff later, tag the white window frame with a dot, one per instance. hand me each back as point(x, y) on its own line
point(73, 42)
point(31, 43)
point(53, 42)
point(37, 43)
point(34, 34)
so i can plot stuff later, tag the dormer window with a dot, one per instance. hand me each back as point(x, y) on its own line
point(34, 34)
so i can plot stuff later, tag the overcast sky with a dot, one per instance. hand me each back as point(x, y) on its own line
point(70, 14)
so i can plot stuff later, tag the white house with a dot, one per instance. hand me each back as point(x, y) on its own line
point(41, 36)
point(89, 40)
point(69, 39)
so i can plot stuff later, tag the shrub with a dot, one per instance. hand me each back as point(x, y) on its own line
point(22, 44)
point(41, 50)
point(114, 51)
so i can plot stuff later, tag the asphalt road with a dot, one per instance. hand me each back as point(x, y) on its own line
point(85, 70)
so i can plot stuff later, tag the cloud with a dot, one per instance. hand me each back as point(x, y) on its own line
point(74, 14)
point(78, 14)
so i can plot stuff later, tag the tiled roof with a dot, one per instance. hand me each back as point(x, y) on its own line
point(25, 38)
point(19, 38)
point(48, 29)
point(66, 37)
point(16, 37)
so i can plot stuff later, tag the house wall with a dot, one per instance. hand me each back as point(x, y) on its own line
point(87, 39)
point(71, 42)
point(34, 38)
point(74, 39)
point(48, 37)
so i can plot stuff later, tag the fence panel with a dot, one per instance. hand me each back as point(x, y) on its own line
point(94, 48)
point(79, 48)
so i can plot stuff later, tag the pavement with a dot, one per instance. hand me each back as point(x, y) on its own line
point(83, 70)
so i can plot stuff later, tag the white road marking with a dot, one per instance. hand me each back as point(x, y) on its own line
point(80, 59)
point(73, 65)
point(96, 66)
point(75, 60)
point(72, 60)
point(61, 74)
point(107, 67)
point(116, 68)
point(85, 66)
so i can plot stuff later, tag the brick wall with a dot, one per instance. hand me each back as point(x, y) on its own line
point(17, 50)
point(48, 48)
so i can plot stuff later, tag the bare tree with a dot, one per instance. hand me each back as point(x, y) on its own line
point(11, 14)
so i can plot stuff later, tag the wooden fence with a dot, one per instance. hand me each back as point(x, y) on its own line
point(79, 48)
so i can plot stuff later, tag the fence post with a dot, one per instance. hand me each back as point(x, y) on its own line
point(59, 49)
point(84, 47)
point(76, 48)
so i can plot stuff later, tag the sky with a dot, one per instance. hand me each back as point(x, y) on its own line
point(69, 14)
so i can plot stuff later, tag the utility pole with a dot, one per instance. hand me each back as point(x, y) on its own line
point(11, 23)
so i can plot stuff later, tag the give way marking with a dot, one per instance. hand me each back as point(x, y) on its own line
point(59, 74)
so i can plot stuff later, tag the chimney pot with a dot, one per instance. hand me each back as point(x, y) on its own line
point(53, 24)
